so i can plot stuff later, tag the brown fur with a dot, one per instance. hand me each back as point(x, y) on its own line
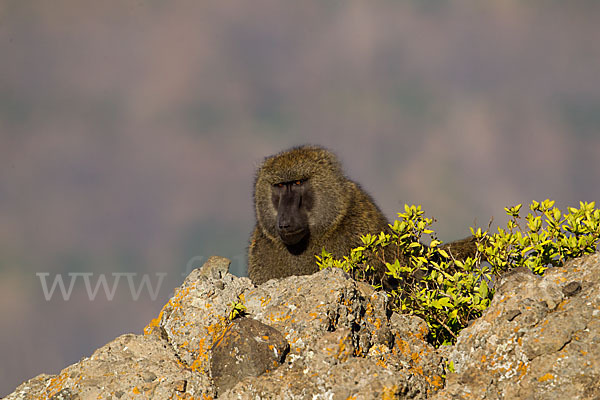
point(342, 212)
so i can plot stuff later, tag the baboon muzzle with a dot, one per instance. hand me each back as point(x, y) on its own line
point(292, 221)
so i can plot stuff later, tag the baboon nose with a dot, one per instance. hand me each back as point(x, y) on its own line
point(284, 225)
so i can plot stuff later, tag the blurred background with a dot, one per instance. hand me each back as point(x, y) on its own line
point(130, 132)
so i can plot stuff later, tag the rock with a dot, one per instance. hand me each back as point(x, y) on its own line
point(328, 336)
point(571, 289)
point(215, 267)
point(247, 348)
point(131, 366)
point(539, 339)
point(306, 336)
point(198, 314)
point(342, 343)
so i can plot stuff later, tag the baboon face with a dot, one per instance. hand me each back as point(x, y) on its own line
point(300, 195)
point(293, 201)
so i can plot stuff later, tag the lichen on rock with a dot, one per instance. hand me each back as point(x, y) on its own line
point(539, 339)
point(328, 336)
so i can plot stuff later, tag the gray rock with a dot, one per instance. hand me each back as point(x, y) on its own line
point(539, 339)
point(247, 348)
point(129, 367)
point(215, 267)
point(198, 314)
point(342, 343)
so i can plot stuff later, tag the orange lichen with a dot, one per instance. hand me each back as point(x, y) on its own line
point(522, 369)
point(437, 381)
point(490, 317)
point(560, 279)
point(343, 353)
point(382, 362)
point(377, 323)
point(55, 384)
point(389, 393)
point(217, 332)
point(417, 370)
point(546, 377)
point(187, 396)
point(153, 324)
point(422, 332)
point(415, 357)
point(281, 316)
point(264, 302)
point(401, 346)
point(173, 303)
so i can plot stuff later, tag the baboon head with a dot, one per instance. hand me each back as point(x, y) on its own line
point(299, 194)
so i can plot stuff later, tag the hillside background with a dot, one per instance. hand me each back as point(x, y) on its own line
point(130, 132)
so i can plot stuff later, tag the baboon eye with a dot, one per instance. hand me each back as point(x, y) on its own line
point(296, 182)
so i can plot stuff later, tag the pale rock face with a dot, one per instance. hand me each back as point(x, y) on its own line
point(539, 339)
point(327, 336)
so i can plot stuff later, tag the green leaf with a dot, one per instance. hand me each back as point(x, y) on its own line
point(451, 366)
point(443, 253)
point(445, 302)
point(483, 289)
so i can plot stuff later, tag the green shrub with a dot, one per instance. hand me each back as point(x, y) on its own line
point(448, 293)
point(236, 309)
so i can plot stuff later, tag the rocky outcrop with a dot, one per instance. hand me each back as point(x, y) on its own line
point(539, 339)
point(326, 336)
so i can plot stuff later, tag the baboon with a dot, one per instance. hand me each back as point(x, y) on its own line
point(304, 203)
